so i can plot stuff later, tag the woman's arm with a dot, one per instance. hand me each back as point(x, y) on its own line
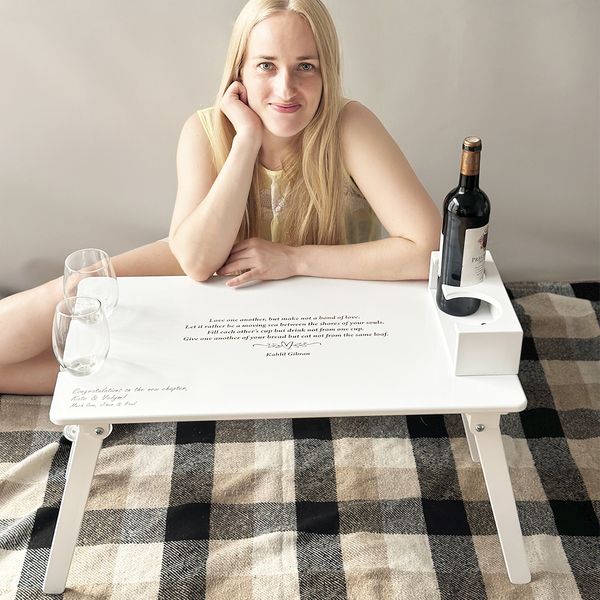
point(209, 208)
point(389, 184)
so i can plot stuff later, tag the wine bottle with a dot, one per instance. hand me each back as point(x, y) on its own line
point(466, 216)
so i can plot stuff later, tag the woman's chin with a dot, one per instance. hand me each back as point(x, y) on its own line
point(283, 131)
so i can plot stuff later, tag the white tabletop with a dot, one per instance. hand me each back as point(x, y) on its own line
point(153, 374)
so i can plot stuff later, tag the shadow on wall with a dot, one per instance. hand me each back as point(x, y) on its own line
point(37, 271)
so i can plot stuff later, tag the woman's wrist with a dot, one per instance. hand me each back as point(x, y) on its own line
point(298, 263)
point(248, 140)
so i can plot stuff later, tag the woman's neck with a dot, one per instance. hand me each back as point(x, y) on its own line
point(274, 149)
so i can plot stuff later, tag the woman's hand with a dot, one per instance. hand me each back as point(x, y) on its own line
point(261, 260)
point(234, 105)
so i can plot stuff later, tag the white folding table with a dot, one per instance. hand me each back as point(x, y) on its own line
point(301, 347)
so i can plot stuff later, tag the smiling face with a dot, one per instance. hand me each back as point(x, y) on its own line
point(281, 74)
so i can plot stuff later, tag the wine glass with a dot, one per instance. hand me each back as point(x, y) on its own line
point(80, 336)
point(95, 267)
point(80, 339)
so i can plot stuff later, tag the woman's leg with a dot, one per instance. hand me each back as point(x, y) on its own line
point(27, 366)
point(35, 375)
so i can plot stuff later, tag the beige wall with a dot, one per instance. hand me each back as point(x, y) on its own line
point(94, 94)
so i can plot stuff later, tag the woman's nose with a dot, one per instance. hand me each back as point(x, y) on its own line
point(286, 84)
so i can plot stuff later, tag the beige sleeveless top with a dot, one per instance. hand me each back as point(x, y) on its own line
point(362, 224)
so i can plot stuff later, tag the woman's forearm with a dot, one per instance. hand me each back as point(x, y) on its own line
point(204, 239)
point(389, 259)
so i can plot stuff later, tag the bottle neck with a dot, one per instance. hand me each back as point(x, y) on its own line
point(469, 169)
point(469, 182)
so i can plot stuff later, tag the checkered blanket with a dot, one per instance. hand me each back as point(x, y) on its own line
point(359, 508)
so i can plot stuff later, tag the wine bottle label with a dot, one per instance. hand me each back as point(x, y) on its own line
point(474, 256)
point(440, 254)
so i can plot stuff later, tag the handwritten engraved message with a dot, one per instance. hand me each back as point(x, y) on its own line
point(285, 332)
point(110, 397)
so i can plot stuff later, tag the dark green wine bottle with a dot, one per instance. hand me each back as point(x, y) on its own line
point(466, 216)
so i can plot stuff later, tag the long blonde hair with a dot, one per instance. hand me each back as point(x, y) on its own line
point(313, 175)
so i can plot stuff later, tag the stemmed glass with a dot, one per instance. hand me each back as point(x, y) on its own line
point(95, 267)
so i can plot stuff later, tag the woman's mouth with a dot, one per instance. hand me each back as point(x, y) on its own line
point(285, 108)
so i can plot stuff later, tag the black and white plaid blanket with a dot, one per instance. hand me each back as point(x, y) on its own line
point(357, 508)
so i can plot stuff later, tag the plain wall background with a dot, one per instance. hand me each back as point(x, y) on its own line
point(94, 94)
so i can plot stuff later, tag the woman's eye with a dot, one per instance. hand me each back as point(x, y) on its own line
point(265, 66)
point(306, 67)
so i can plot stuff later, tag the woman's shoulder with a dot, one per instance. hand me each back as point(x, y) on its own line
point(198, 128)
point(196, 139)
point(199, 120)
point(357, 115)
point(362, 135)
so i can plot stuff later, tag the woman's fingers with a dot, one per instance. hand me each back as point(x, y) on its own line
point(237, 256)
point(241, 250)
point(240, 246)
point(233, 268)
point(236, 89)
point(242, 255)
point(243, 94)
point(263, 259)
point(234, 105)
point(243, 278)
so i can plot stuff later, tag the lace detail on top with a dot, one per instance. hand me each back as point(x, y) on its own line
point(362, 225)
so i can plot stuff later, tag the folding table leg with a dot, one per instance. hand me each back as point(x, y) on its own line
point(470, 439)
point(485, 428)
point(82, 463)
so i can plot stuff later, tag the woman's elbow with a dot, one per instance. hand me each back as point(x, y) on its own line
point(428, 238)
point(199, 275)
point(191, 265)
point(197, 271)
point(420, 257)
point(426, 245)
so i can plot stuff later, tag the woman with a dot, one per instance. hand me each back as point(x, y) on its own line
point(284, 178)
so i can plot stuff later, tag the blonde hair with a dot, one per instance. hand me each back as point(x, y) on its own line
point(313, 175)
